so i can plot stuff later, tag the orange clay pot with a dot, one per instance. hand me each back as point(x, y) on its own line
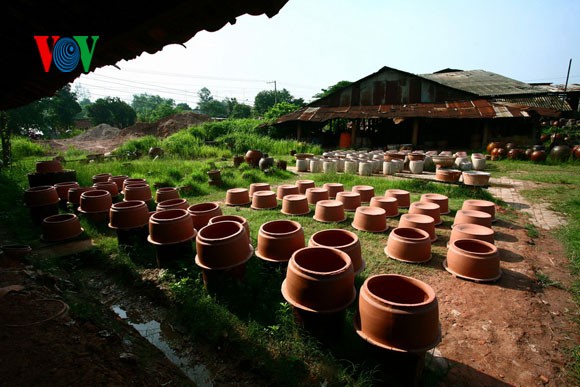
point(95, 201)
point(201, 213)
point(303, 185)
point(472, 231)
point(366, 192)
point(236, 218)
point(350, 200)
point(370, 219)
point(237, 197)
point(166, 193)
point(172, 204)
point(101, 177)
point(41, 196)
point(447, 175)
point(74, 195)
point(314, 195)
point(128, 215)
point(410, 245)
point(333, 189)
point(286, 189)
point(403, 197)
point(425, 208)
point(480, 205)
point(132, 180)
point(279, 239)
point(473, 217)
point(342, 240)
point(171, 227)
point(62, 189)
point(329, 211)
point(295, 205)
point(473, 259)
point(222, 245)
point(119, 179)
point(108, 186)
point(264, 200)
point(442, 200)
point(57, 228)
point(254, 187)
point(387, 203)
point(424, 222)
point(137, 191)
point(49, 166)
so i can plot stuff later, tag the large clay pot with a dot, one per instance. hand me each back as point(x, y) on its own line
point(49, 166)
point(329, 166)
point(410, 245)
point(43, 195)
point(101, 177)
point(171, 227)
point(57, 228)
point(96, 204)
point(108, 186)
point(237, 197)
point(426, 208)
point(74, 196)
point(253, 157)
point(62, 189)
point(236, 218)
point(387, 203)
point(133, 180)
point(473, 259)
point(264, 200)
point(316, 165)
point(480, 205)
point(166, 193)
point(421, 221)
point(472, 231)
point(139, 191)
point(366, 192)
point(443, 161)
point(295, 205)
point(333, 189)
point(350, 200)
point(255, 187)
point(398, 313)
point(370, 219)
point(560, 153)
point(576, 152)
point(303, 185)
point(119, 180)
point(279, 239)
point(329, 211)
point(538, 156)
point(416, 166)
point(516, 154)
point(441, 200)
point(472, 217)
point(342, 240)
point(447, 175)
point(478, 163)
point(302, 165)
point(201, 213)
point(403, 197)
point(266, 162)
point(315, 194)
point(222, 245)
point(476, 178)
point(492, 145)
point(128, 215)
point(286, 189)
point(172, 204)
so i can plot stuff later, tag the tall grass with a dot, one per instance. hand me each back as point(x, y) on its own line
point(23, 147)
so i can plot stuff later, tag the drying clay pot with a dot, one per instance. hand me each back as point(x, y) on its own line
point(286, 189)
point(128, 215)
point(108, 186)
point(343, 240)
point(201, 213)
point(403, 197)
point(101, 177)
point(473, 259)
point(333, 189)
point(370, 219)
point(171, 227)
point(314, 195)
point(473, 217)
point(222, 245)
point(410, 245)
point(57, 228)
point(472, 231)
point(255, 187)
point(132, 180)
point(96, 204)
point(295, 205)
point(480, 205)
point(329, 211)
point(166, 193)
point(264, 200)
point(447, 175)
point(303, 185)
point(424, 222)
point(476, 178)
point(49, 166)
point(119, 180)
point(279, 239)
point(137, 191)
point(236, 218)
point(387, 203)
point(366, 192)
point(441, 200)
point(172, 204)
point(237, 197)
point(350, 200)
point(41, 196)
point(425, 208)
point(62, 189)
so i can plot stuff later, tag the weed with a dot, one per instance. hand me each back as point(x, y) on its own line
point(544, 281)
point(532, 231)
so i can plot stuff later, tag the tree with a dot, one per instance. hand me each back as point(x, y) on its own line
point(112, 111)
point(62, 109)
point(331, 89)
point(210, 106)
point(241, 110)
point(151, 108)
point(280, 109)
point(183, 107)
point(266, 99)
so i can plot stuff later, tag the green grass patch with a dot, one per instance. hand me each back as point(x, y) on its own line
point(24, 147)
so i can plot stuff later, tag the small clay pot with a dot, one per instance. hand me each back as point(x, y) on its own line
point(442, 161)
point(279, 239)
point(172, 204)
point(41, 196)
point(426, 208)
point(343, 240)
point(370, 219)
point(95, 201)
point(237, 197)
point(253, 157)
point(254, 187)
point(236, 218)
point(286, 189)
point(128, 215)
point(329, 211)
point(387, 203)
point(222, 245)
point(132, 180)
point(333, 189)
point(476, 178)
point(137, 191)
point(398, 313)
point(409, 244)
point(108, 186)
point(166, 193)
point(14, 251)
point(441, 200)
point(119, 179)
point(295, 205)
point(538, 156)
point(171, 227)
point(480, 205)
point(403, 197)
point(49, 166)
point(101, 177)
point(366, 192)
point(424, 222)
point(57, 228)
point(472, 217)
point(74, 195)
point(473, 259)
point(303, 185)
point(62, 189)
point(201, 213)
point(447, 175)
point(264, 200)
point(472, 231)
point(314, 195)
point(350, 200)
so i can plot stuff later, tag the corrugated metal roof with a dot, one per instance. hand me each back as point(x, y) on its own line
point(548, 102)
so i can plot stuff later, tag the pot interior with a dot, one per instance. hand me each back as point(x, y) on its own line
point(169, 215)
point(202, 207)
point(280, 227)
point(319, 260)
point(333, 238)
point(220, 230)
point(409, 233)
point(474, 246)
point(129, 204)
point(398, 289)
point(59, 218)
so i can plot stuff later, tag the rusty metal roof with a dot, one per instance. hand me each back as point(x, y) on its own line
point(544, 102)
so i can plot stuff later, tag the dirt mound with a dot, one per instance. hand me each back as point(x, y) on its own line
point(166, 126)
point(99, 132)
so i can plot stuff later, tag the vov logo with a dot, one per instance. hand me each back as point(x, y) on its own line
point(66, 52)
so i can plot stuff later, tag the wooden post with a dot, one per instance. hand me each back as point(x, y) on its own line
point(353, 133)
point(484, 139)
point(299, 131)
point(415, 136)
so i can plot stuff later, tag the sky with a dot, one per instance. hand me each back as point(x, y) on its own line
point(312, 44)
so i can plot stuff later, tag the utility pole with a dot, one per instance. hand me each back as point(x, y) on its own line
point(566, 85)
point(275, 92)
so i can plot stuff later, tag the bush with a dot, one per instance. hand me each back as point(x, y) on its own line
point(24, 147)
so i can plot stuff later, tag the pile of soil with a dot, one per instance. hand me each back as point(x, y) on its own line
point(99, 132)
point(166, 126)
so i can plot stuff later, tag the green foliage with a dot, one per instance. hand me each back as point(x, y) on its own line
point(280, 109)
point(138, 146)
point(62, 109)
point(112, 111)
point(24, 147)
point(331, 89)
point(210, 106)
point(266, 99)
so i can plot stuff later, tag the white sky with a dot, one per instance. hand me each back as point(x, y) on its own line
point(312, 44)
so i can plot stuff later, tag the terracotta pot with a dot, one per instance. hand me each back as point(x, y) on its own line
point(128, 215)
point(108, 186)
point(403, 197)
point(166, 193)
point(101, 177)
point(480, 205)
point(264, 200)
point(295, 205)
point(201, 213)
point(409, 244)
point(370, 219)
point(387, 203)
point(282, 165)
point(576, 152)
point(132, 180)
point(95, 201)
point(14, 251)
point(492, 145)
point(515, 154)
point(476, 178)
point(416, 156)
point(49, 166)
point(472, 217)
point(303, 156)
point(172, 204)
point(222, 245)
point(62, 189)
point(171, 227)
point(236, 218)
point(333, 189)
point(319, 279)
point(57, 228)
point(237, 197)
point(253, 157)
point(254, 187)
point(441, 200)
point(447, 175)
point(119, 179)
point(139, 191)
point(423, 222)
point(538, 156)
point(498, 154)
point(41, 196)
point(443, 161)
point(398, 313)
point(279, 239)
point(426, 208)
point(472, 231)
point(303, 185)
point(314, 195)
point(329, 211)
point(74, 195)
point(286, 189)
point(366, 192)
point(342, 240)
point(473, 259)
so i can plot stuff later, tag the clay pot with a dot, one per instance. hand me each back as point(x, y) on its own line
point(576, 152)
point(329, 211)
point(409, 244)
point(476, 178)
point(560, 153)
point(416, 156)
point(101, 177)
point(480, 205)
point(279, 239)
point(286, 189)
point(282, 165)
point(128, 215)
point(416, 167)
point(303, 185)
point(238, 160)
point(387, 203)
point(14, 251)
point(303, 156)
point(472, 231)
point(266, 162)
point(528, 153)
point(342, 240)
point(302, 165)
point(253, 157)
point(515, 154)
point(472, 217)
point(108, 186)
point(62, 189)
point(264, 200)
point(492, 145)
point(314, 195)
point(171, 227)
point(295, 205)
point(441, 200)
point(350, 200)
point(333, 189)
point(498, 154)
point(132, 180)
point(237, 197)
point(443, 161)
point(403, 197)
point(49, 166)
point(538, 156)
point(139, 191)
point(57, 228)
point(166, 193)
point(398, 313)
point(473, 259)
point(478, 163)
point(254, 187)
point(423, 222)
point(365, 168)
point(447, 175)
point(172, 204)
point(370, 219)
point(119, 179)
point(316, 165)
point(74, 196)
point(366, 192)
point(319, 279)
point(96, 201)
point(222, 246)
point(44, 195)
point(236, 218)
point(426, 208)
point(201, 213)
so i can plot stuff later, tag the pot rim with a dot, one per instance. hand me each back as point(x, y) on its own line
point(206, 228)
point(95, 193)
point(166, 216)
point(129, 204)
point(344, 256)
point(212, 206)
point(427, 289)
point(425, 234)
point(297, 228)
point(418, 218)
point(351, 234)
point(474, 254)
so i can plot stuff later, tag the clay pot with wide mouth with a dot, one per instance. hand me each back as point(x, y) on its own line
point(235, 218)
point(416, 156)
point(96, 204)
point(255, 187)
point(387, 203)
point(443, 161)
point(424, 222)
point(62, 227)
point(253, 157)
point(370, 219)
point(441, 200)
point(286, 189)
point(473, 259)
point(222, 246)
point(398, 313)
point(409, 244)
point(138, 191)
point(350, 200)
point(447, 175)
point(426, 208)
point(472, 231)
point(101, 177)
point(118, 179)
point(129, 215)
point(132, 180)
point(108, 186)
point(303, 185)
point(480, 205)
point(237, 197)
point(201, 213)
point(264, 200)
point(279, 239)
point(403, 197)
point(472, 217)
point(166, 193)
point(366, 192)
point(171, 227)
point(172, 204)
point(329, 211)
point(48, 166)
point(314, 195)
point(74, 195)
point(343, 240)
point(41, 196)
point(62, 189)
point(476, 178)
point(15, 251)
point(295, 205)
point(333, 189)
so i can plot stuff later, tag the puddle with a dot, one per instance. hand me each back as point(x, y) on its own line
point(157, 333)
